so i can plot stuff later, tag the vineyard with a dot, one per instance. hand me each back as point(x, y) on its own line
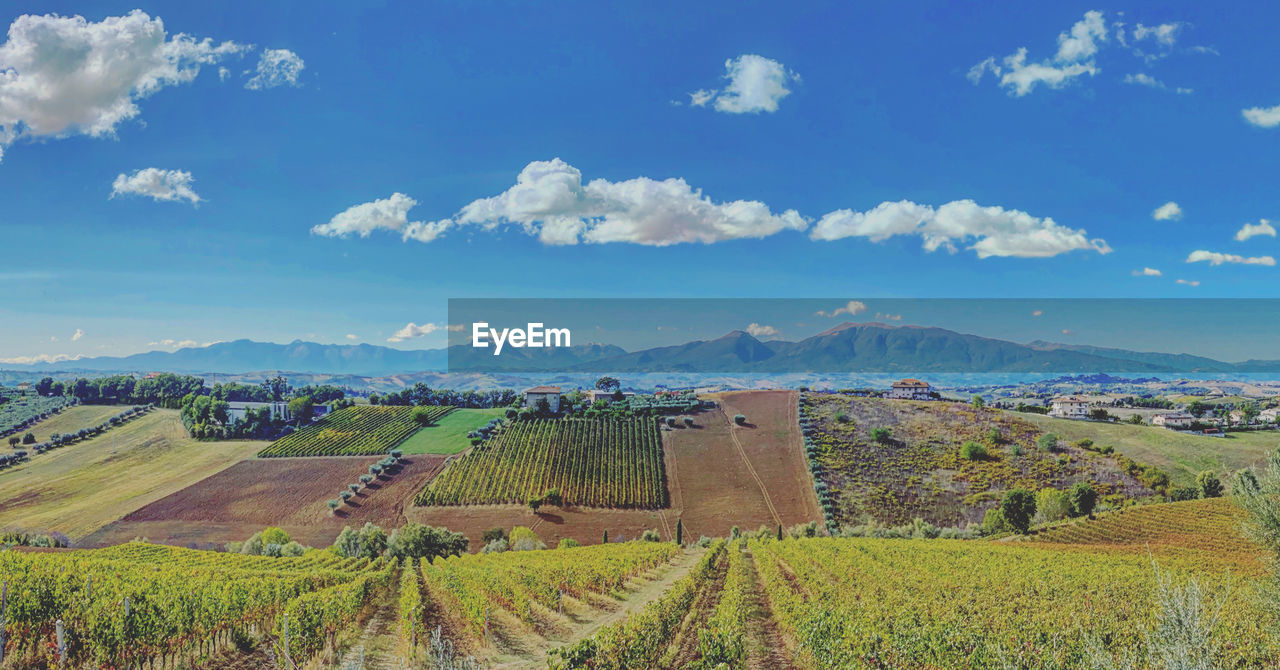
point(138, 603)
point(362, 430)
point(607, 462)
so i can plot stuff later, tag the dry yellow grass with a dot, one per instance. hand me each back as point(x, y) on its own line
point(80, 488)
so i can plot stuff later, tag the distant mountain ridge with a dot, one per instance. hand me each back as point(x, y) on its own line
point(848, 347)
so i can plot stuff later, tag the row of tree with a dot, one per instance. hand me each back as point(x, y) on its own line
point(421, 394)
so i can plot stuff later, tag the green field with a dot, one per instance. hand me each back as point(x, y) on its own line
point(363, 430)
point(449, 434)
point(73, 419)
point(1182, 455)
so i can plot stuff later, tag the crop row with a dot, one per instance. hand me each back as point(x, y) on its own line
point(355, 431)
point(605, 462)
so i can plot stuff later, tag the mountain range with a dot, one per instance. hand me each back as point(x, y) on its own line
point(849, 347)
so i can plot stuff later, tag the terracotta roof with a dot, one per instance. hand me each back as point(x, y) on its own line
point(910, 383)
point(543, 389)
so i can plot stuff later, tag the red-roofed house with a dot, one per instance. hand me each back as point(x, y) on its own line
point(909, 389)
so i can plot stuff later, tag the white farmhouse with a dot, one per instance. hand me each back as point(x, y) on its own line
point(237, 410)
point(549, 393)
point(1173, 420)
point(1070, 407)
point(596, 394)
point(909, 389)
point(1269, 415)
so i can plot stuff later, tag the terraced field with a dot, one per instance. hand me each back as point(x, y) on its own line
point(363, 430)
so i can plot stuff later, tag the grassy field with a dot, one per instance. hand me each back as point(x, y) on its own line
point(449, 434)
point(77, 489)
point(1182, 455)
point(72, 419)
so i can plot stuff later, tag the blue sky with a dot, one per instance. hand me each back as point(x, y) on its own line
point(812, 116)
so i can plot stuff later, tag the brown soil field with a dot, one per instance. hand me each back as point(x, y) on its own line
point(719, 475)
point(285, 492)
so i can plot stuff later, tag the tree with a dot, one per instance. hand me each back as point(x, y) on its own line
point(535, 503)
point(1198, 408)
point(524, 539)
point(739, 419)
point(1183, 493)
point(414, 540)
point(492, 534)
point(882, 435)
point(1047, 442)
point(1244, 483)
point(1099, 414)
point(608, 384)
point(1052, 504)
point(373, 541)
point(44, 386)
point(978, 402)
point(424, 416)
point(13, 442)
point(606, 537)
point(1018, 507)
point(1250, 411)
point(29, 438)
point(1083, 497)
point(1209, 484)
point(278, 387)
point(302, 409)
point(568, 543)
point(680, 531)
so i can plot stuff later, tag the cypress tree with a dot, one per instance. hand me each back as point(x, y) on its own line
point(606, 537)
point(680, 532)
point(779, 532)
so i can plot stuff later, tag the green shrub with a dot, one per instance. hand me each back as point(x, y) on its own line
point(1181, 493)
point(1048, 442)
point(994, 523)
point(972, 451)
point(1018, 507)
point(1209, 484)
point(1083, 498)
point(1052, 504)
point(882, 435)
point(568, 542)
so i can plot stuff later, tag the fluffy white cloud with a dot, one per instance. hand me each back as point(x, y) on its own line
point(223, 74)
point(75, 337)
point(413, 330)
point(1038, 312)
point(63, 76)
point(1148, 272)
point(888, 317)
point(1076, 50)
point(1215, 258)
point(1189, 282)
point(759, 330)
point(352, 336)
point(756, 84)
point(276, 67)
point(1262, 117)
point(168, 185)
point(994, 231)
point(1164, 34)
point(549, 200)
point(1170, 211)
point(1144, 79)
point(851, 308)
point(1263, 227)
point(390, 214)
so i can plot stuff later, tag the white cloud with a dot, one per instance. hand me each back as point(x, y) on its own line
point(1263, 227)
point(758, 330)
point(276, 67)
point(994, 231)
point(1148, 272)
point(75, 337)
point(1066, 331)
point(63, 76)
point(1189, 282)
point(851, 308)
point(413, 330)
point(40, 358)
point(223, 74)
point(1215, 258)
point(1164, 34)
point(550, 201)
point(888, 317)
point(1262, 117)
point(1170, 211)
point(352, 336)
point(756, 84)
point(1076, 50)
point(390, 214)
point(455, 327)
point(167, 185)
point(1038, 312)
point(180, 344)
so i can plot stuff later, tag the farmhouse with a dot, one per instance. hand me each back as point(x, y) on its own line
point(1070, 407)
point(1269, 415)
point(1173, 420)
point(607, 396)
point(538, 393)
point(909, 389)
point(237, 411)
point(24, 387)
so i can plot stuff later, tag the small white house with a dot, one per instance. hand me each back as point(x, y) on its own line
point(24, 386)
point(1070, 407)
point(238, 410)
point(1269, 415)
point(1173, 420)
point(909, 389)
point(549, 393)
